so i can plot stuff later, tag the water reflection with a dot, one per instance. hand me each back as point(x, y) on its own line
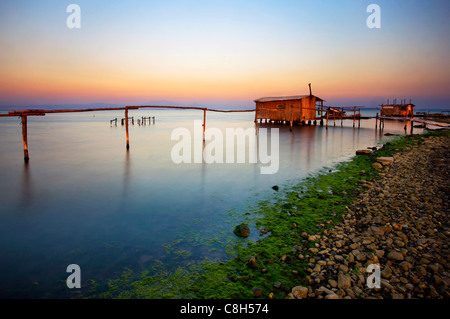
point(26, 197)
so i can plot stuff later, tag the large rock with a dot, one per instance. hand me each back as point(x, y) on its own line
point(363, 152)
point(385, 160)
point(242, 230)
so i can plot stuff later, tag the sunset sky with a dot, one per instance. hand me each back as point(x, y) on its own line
point(224, 53)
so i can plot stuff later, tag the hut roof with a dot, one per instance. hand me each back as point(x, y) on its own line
point(285, 98)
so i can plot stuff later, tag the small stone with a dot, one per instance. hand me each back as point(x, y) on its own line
point(377, 165)
point(405, 265)
point(344, 281)
point(395, 255)
point(363, 152)
point(257, 292)
point(385, 160)
point(332, 296)
point(421, 269)
point(332, 283)
point(386, 272)
point(379, 253)
point(252, 262)
point(300, 292)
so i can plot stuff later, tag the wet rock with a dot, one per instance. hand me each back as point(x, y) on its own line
point(242, 230)
point(252, 262)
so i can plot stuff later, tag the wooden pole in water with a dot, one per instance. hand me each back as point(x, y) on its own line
point(359, 118)
point(204, 123)
point(256, 121)
point(354, 116)
point(406, 120)
point(327, 119)
point(376, 121)
point(25, 139)
point(126, 128)
point(342, 116)
point(292, 117)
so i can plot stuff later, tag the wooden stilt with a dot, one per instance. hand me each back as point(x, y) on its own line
point(327, 119)
point(204, 123)
point(354, 116)
point(359, 117)
point(25, 139)
point(126, 128)
point(406, 121)
point(292, 118)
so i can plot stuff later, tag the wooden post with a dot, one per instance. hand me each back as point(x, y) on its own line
point(376, 121)
point(327, 119)
point(406, 120)
point(359, 118)
point(292, 117)
point(204, 123)
point(342, 116)
point(256, 121)
point(126, 128)
point(25, 139)
point(354, 116)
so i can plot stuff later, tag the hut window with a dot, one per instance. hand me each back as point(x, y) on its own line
point(281, 106)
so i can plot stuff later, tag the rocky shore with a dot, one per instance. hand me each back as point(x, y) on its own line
point(400, 223)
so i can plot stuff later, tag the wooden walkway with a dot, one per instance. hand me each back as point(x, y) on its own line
point(24, 116)
point(326, 115)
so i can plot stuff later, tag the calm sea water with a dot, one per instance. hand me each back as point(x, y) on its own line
point(83, 199)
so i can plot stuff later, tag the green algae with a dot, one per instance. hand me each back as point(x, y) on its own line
point(309, 207)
